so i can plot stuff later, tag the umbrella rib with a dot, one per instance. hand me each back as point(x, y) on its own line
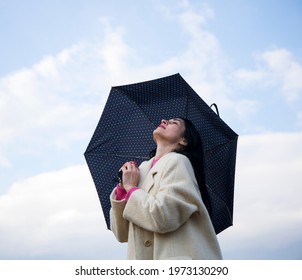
point(137, 105)
point(220, 145)
point(226, 206)
point(118, 155)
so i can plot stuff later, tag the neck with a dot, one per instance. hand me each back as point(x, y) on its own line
point(162, 150)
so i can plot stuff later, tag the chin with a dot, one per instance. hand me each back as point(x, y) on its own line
point(156, 133)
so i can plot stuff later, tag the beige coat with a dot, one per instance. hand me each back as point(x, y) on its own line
point(165, 218)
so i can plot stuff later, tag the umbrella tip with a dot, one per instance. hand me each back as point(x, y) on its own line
point(216, 108)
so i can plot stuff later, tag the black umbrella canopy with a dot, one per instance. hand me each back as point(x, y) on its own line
point(125, 129)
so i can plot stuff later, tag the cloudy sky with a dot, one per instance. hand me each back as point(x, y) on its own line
point(58, 61)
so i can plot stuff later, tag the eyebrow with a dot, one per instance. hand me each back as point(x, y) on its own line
point(177, 119)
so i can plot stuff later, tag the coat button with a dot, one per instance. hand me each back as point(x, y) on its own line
point(147, 243)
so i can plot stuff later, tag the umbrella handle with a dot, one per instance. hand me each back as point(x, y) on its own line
point(119, 177)
point(216, 108)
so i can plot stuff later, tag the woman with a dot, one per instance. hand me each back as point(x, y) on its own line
point(158, 208)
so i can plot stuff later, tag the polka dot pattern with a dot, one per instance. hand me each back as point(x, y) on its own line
point(124, 133)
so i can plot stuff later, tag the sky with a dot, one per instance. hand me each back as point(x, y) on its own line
point(58, 62)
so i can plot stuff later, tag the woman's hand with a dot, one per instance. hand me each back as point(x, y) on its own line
point(130, 175)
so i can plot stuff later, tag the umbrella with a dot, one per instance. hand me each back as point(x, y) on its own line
point(124, 133)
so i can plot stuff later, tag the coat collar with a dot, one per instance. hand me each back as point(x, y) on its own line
point(147, 172)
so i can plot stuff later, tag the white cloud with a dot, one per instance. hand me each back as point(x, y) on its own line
point(205, 65)
point(268, 211)
point(279, 69)
point(60, 98)
point(58, 215)
point(203, 57)
point(55, 100)
point(115, 54)
point(55, 215)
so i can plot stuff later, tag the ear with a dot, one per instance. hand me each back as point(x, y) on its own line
point(183, 142)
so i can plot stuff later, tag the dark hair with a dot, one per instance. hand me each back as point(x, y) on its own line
point(194, 152)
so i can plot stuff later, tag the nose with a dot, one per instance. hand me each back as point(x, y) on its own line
point(164, 121)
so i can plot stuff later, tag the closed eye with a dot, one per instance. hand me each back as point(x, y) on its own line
point(174, 121)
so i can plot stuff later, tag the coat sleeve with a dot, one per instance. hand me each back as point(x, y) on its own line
point(118, 224)
point(176, 200)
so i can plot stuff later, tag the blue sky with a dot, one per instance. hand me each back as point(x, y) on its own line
point(59, 60)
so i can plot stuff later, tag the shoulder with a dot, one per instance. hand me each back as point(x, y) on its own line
point(177, 167)
point(177, 161)
point(178, 158)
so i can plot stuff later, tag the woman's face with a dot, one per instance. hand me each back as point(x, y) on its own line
point(171, 131)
